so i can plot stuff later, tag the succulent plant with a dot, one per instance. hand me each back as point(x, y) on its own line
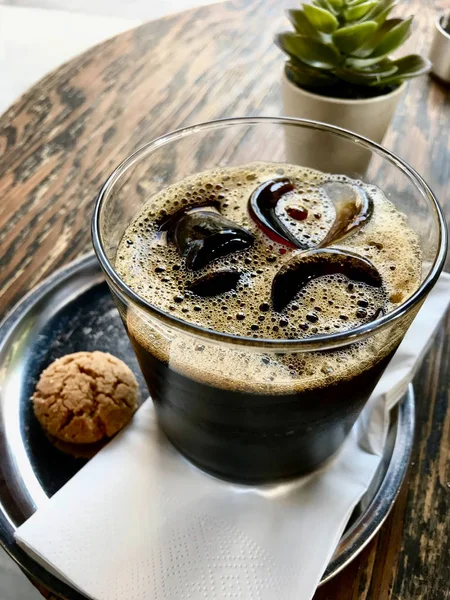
point(345, 45)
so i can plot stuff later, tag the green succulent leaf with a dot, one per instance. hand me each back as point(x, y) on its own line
point(307, 77)
point(370, 75)
point(390, 42)
point(350, 38)
point(327, 5)
point(372, 42)
point(381, 17)
point(359, 11)
point(393, 38)
point(320, 18)
point(379, 9)
point(355, 2)
point(338, 4)
point(301, 24)
point(308, 50)
point(408, 66)
point(361, 63)
point(412, 65)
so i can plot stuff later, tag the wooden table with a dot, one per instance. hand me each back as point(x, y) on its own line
point(60, 141)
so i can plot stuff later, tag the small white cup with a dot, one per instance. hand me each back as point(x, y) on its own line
point(440, 48)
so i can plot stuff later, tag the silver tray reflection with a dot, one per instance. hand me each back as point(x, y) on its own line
point(72, 311)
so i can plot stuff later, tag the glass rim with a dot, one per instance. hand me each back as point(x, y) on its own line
point(328, 340)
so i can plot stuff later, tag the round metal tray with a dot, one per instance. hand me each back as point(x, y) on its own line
point(72, 311)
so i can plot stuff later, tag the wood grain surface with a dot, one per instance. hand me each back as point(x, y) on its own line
point(59, 142)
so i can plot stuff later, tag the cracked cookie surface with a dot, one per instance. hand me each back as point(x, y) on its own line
point(85, 397)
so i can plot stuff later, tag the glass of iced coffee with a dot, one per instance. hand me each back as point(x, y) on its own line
point(263, 295)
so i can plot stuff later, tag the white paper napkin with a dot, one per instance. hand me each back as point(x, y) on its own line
point(139, 522)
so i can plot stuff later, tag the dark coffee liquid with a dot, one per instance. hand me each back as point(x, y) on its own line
point(254, 437)
point(265, 251)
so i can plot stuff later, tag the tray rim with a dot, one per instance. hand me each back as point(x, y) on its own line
point(352, 542)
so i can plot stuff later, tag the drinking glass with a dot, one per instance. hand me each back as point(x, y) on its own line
point(224, 400)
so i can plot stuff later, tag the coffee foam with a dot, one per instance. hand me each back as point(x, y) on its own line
point(328, 304)
point(233, 367)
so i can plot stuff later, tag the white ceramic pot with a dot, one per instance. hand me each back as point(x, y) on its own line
point(369, 117)
point(440, 49)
